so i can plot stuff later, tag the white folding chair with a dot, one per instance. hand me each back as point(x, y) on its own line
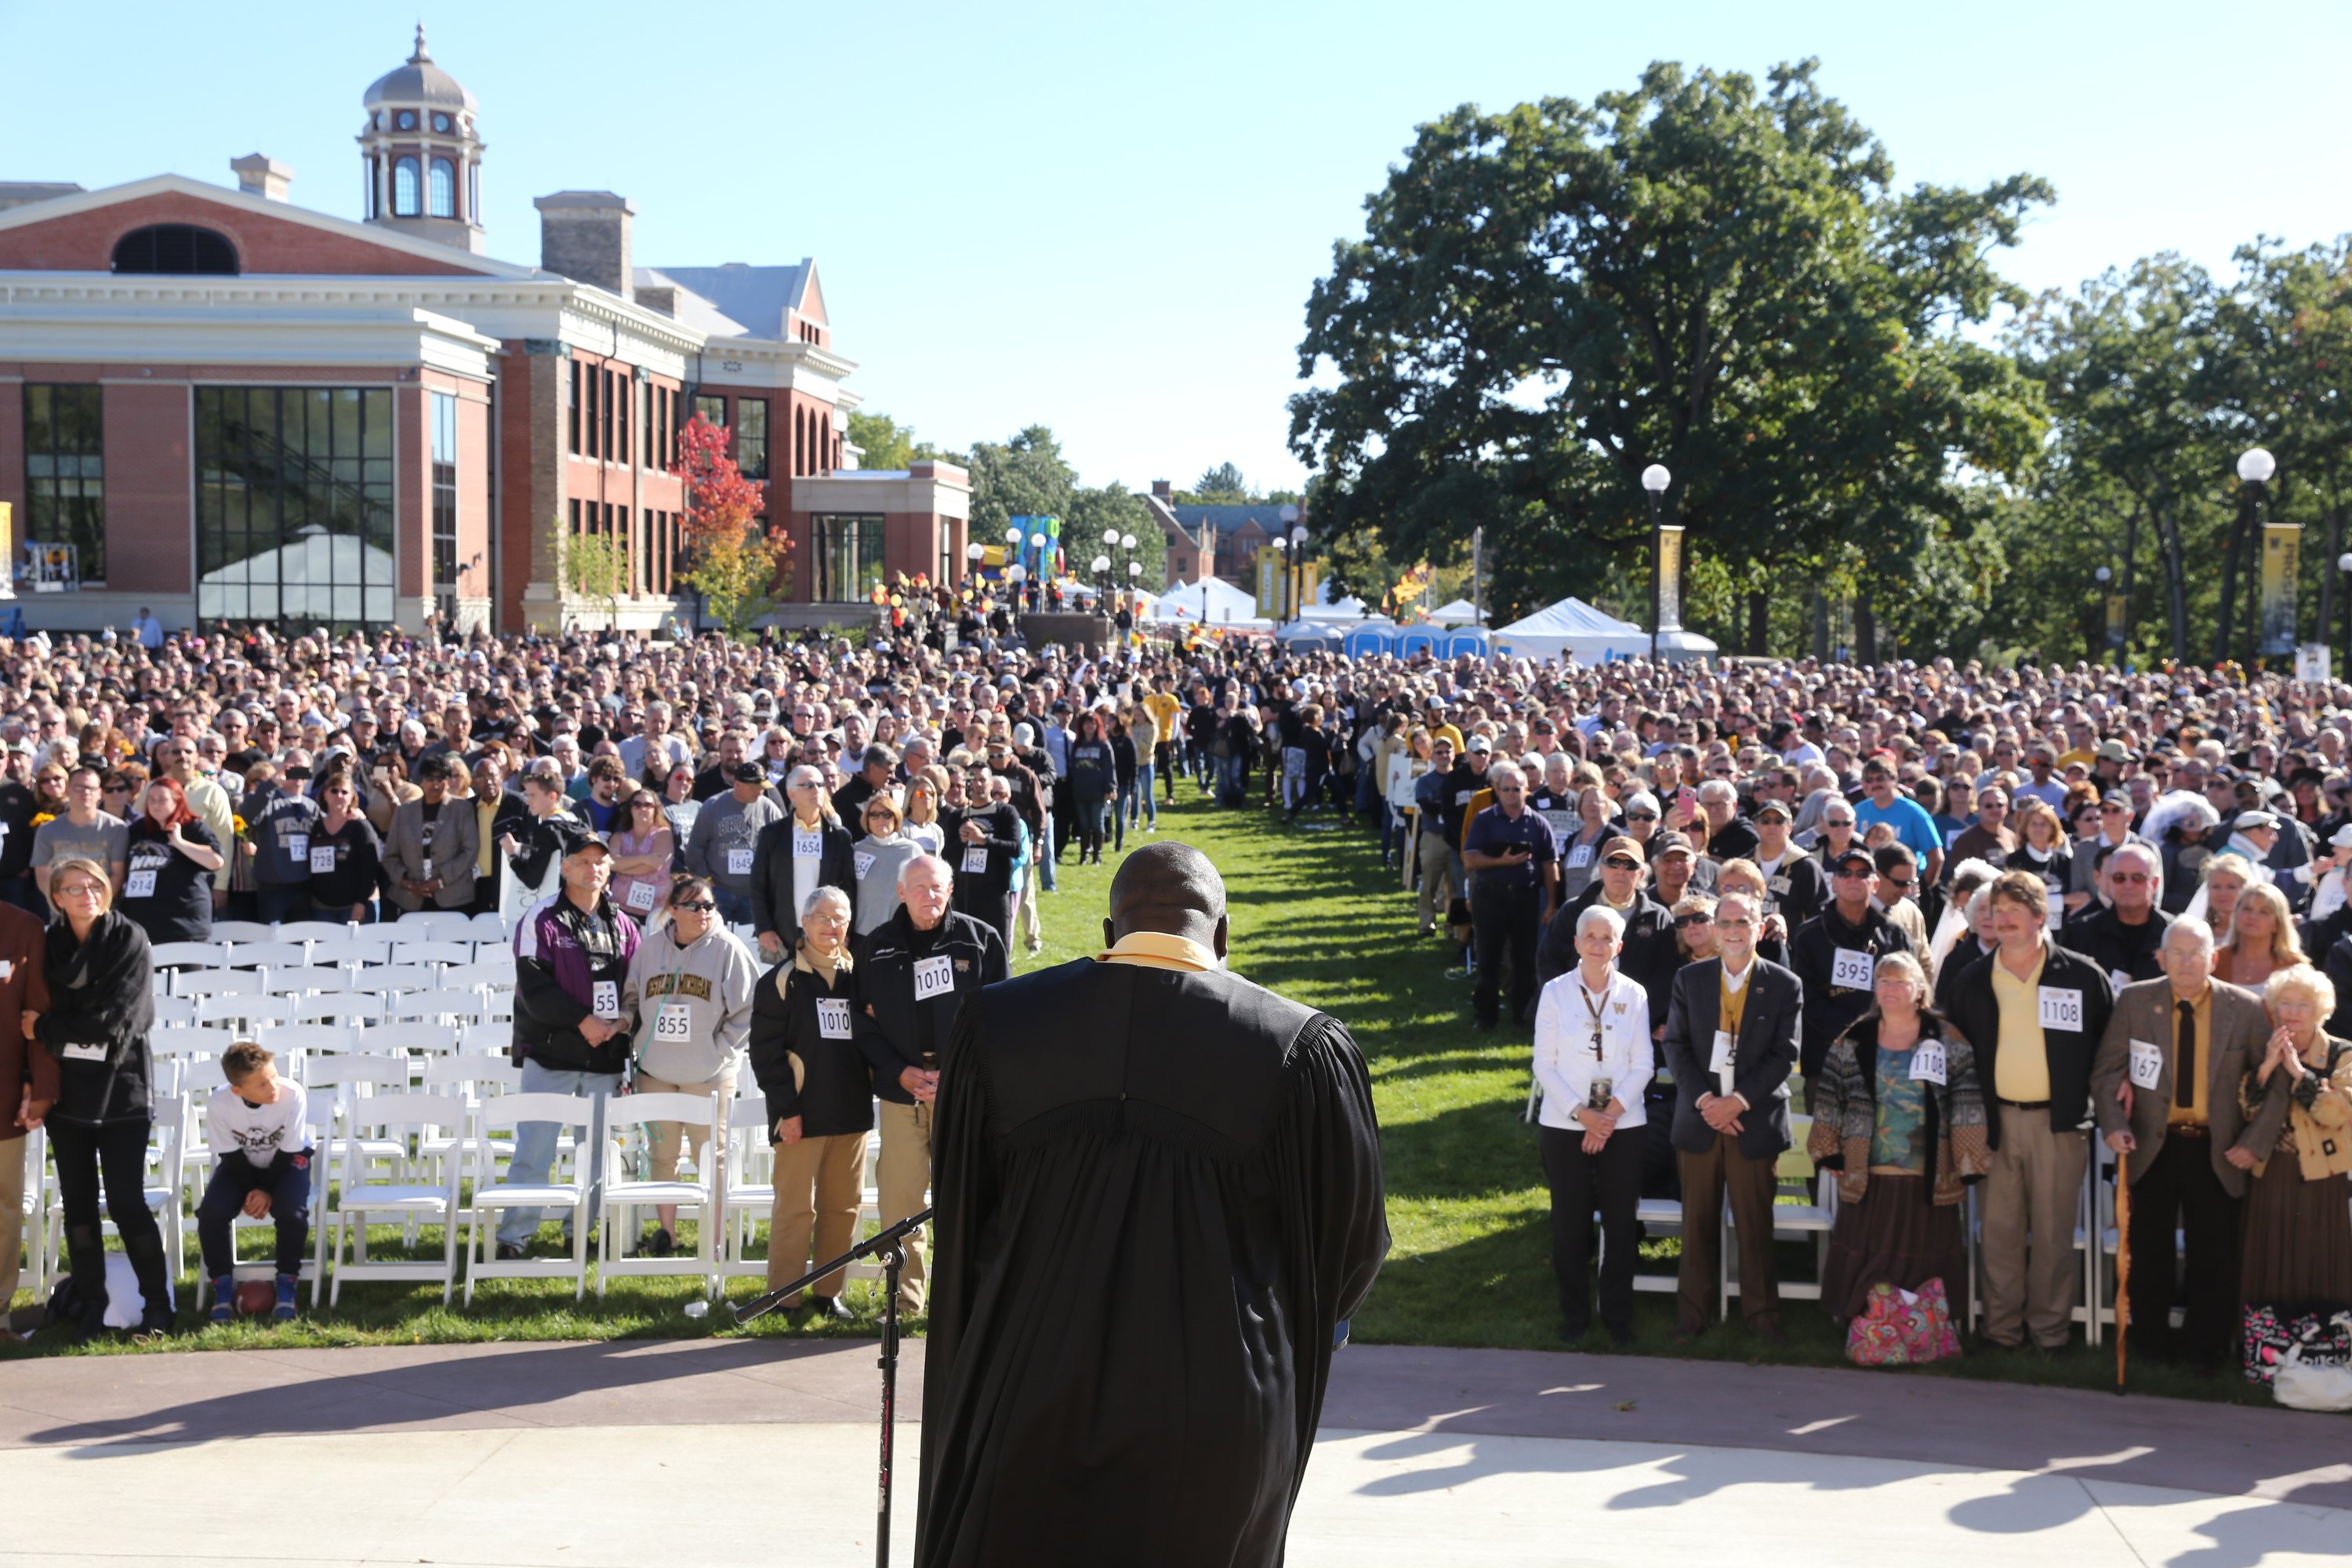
point(199, 1076)
point(170, 1010)
point(491, 1038)
point(270, 955)
point(308, 1041)
point(312, 930)
point(243, 931)
point(455, 1007)
point(406, 951)
point(364, 948)
point(419, 1038)
point(747, 1194)
point(248, 1012)
point(217, 982)
point(319, 1124)
point(433, 925)
point(475, 1078)
point(490, 928)
point(160, 1189)
point(194, 954)
point(391, 978)
point(403, 1119)
point(33, 1209)
point(303, 979)
point(493, 1194)
point(496, 974)
point(350, 1008)
point(621, 1196)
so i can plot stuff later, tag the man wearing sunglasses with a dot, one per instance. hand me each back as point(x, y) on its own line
point(2114, 832)
point(2124, 935)
point(1835, 955)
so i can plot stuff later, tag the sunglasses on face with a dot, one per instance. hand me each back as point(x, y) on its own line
point(700, 906)
point(2130, 877)
point(1684, 923)
point(1847, 873)
point(1620, 863)
point(1640, 816)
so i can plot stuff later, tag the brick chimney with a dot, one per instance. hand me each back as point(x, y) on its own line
point(257, 175)
point(1161, 488)
point(584, 235)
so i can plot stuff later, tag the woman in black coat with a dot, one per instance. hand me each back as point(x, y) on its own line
point(101, 1009)
point(167, 888)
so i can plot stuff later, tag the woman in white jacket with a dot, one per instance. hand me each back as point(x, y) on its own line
point(1593, 1059)
point(690, 988)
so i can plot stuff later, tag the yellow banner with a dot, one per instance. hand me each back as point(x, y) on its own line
point(1670, 578)
point(2281, 557)
point(1269, 584)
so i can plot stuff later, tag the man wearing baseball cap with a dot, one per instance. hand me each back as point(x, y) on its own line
point(571, 1037)
point(1649, 955)
point(1835, 956)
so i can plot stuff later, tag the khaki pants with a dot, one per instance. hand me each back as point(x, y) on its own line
point(1707, 1178)
point(1436, 871)
point(2030, 1199)
point(662, 1138)
point(1026, 916)
point(12, 1217)
point(818, 1184)
point(902, 1176)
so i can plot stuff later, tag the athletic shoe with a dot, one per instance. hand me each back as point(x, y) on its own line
point(284, 1311)
point(225, 1300)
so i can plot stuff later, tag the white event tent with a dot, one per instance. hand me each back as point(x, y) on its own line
point(1573, 628)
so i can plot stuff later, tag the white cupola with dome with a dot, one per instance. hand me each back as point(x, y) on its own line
point(422, 153)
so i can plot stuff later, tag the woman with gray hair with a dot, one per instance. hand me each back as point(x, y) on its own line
point(1899, 1115)
point(807, 1015)
point(1594, 1057)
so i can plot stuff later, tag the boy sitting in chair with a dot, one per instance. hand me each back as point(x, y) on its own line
point(255, 1124)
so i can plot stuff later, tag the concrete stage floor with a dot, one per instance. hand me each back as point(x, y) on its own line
point(740, 1451)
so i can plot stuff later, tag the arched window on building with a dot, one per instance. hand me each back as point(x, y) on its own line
point(441, 191)
point(403, 188)
point(174, 247)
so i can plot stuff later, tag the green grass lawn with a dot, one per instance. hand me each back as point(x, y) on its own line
point(1315, 916)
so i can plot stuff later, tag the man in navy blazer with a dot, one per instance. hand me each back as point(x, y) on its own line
point(1732, 1042)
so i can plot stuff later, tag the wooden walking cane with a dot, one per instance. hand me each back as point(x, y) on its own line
point(2123, 1261)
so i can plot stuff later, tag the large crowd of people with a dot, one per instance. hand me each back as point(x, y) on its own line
point(1944, 923)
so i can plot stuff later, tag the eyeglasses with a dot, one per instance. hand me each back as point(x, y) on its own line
point(1733, 922)
point(2129, 876)
point(700, 906)
point(1620, 863)
point(2113, 810)
point(1640, 816)
point(1682, 922)
point(1901, 885)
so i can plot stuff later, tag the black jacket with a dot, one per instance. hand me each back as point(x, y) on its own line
point(102, 1006)
point(835, 1091)
point(1799, 891)
point(1762, 1058)
point(2099, 934)
point(977, 890)
point(1977, 1014)
point(1831, 1009)
point(903, 1028)
point(772, 874)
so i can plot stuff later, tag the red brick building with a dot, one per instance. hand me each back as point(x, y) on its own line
point(221, 406)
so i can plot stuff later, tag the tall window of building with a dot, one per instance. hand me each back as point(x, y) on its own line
point(752, 436)
point(571, 406)
point(625, 397)
point(441, 191)
point(799, 425)
point(589, 418)
point(294, 504)
point(848, 548)
point(712, 409)
point(369, 206)
point(65, 474)
point(404, 187)
point(444, 504)
point(474, 192)
point(652, 423)
point(675, 401)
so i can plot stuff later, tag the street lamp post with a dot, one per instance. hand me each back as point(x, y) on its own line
point(1654, 480)
point(1282, 593)
point(1299, 570)
point(2274, 574)
point(2106, 608)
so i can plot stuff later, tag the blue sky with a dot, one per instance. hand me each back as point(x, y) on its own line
point(1106, 218)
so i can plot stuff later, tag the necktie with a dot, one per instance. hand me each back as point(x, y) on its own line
point(2184, 1061)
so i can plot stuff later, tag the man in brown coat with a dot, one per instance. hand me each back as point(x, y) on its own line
point(2164, 1090)
point(28, 1083)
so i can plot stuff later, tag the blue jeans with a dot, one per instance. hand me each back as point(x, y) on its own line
point(289, 903)
point(1138, 804)
point(1045, 855)
point(1232, 781)
point(734, 909)
point(1122, 813)
point(286, 1180)
point(534, 1153)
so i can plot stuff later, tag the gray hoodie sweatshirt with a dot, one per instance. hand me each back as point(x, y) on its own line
point(712, 983)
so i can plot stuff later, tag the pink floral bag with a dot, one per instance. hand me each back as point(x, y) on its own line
point(1902, 1328)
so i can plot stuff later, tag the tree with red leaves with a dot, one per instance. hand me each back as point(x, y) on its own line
point(733, 559)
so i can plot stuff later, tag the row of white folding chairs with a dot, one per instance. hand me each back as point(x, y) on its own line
point(256, 1009)
point(197, 968)
point(444, 925)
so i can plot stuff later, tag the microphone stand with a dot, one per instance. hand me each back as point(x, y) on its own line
point(888, 1246)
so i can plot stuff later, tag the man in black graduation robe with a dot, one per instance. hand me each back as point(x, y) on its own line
point(1158, 1194)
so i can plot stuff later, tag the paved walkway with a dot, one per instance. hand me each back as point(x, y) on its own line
point(663, 1451)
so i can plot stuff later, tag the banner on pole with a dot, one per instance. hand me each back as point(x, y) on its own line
point(1670, 577)
point(1269, 584)
point(2282, 559)
point(2312, 662)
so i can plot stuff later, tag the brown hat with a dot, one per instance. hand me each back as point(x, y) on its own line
point(1621, 844)
point(1669, 843)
